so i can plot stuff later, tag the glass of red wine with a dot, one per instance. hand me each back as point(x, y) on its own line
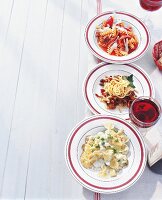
point(145, 112)
point(151, 5)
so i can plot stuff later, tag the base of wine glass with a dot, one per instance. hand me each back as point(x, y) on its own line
point(142, 130)
point(149, 24)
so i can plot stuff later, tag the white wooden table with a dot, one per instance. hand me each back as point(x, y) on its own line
point(43, 61)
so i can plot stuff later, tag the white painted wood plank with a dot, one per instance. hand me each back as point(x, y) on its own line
point(6, 8)
point(67, 60)
point(9, 72)
point(66, 104)
point(38, 186)
point(25, 116)
point(82, 63)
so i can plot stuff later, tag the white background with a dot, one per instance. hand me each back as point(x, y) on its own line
point(43, 61)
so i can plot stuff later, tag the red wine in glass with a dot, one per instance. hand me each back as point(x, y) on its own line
point(151, 5)
point(144, 112)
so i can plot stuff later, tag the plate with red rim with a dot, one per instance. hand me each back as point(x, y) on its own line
point(139, 28)
point(88, 178)
point(91, 86)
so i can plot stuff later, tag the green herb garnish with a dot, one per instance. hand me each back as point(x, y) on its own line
point(115, 151)
point(130, 79)
point(110, 136)
point(116, 129)
point(103, 143)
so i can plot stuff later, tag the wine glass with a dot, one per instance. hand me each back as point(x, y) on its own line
point(150, 5)
point(144, 113)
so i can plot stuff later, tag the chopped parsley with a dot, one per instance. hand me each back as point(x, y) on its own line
point(115, 151)
point(115, 129)
point(103, 143)
point(110, 136)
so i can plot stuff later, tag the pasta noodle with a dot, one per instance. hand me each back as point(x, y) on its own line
point(106, 151)
point(115, 38)
point(117, 90)
point(118, 87)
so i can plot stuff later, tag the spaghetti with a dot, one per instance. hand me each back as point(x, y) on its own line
point(117, 91)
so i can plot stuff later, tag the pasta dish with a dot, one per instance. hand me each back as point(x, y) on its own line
point(106, 152)
point(115, 38)
point(117, 91)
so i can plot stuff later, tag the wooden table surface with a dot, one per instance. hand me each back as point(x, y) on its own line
point(43, 61)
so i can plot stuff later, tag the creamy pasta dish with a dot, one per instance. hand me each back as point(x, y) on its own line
point(115, 38)
point(106, 152)
point(117, 91)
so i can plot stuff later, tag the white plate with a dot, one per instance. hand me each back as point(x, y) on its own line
point(139, 29)
point(91, 86)
point(89, 178)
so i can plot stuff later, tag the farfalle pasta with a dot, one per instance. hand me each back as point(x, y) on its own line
point(116, 38)
point(106, 151)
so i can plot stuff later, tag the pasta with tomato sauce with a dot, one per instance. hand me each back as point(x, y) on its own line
point(116, 39)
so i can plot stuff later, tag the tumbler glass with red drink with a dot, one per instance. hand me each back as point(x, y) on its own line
point(145, 112)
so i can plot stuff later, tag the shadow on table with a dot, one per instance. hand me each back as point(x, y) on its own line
point(88, 194)
point(144, 189)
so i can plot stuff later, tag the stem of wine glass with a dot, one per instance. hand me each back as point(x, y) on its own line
point(143, 132)
point(147, 18)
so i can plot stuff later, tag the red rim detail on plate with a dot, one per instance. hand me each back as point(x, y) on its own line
point(107, 59)
point(89, 76)
point(86, 182)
